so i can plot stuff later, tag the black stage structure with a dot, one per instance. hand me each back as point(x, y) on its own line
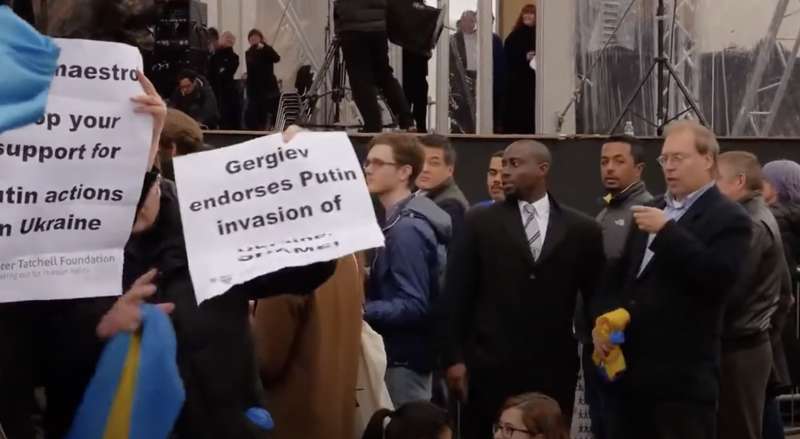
point(575, 175)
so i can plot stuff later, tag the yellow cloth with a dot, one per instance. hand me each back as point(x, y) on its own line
point(605, 326)
point(119, 418)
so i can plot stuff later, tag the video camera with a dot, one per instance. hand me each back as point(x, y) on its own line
point(414, 26)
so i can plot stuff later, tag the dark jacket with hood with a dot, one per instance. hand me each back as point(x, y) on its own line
point(215, 347)
point(360, 16)
point(200, 104)
point(405, 281)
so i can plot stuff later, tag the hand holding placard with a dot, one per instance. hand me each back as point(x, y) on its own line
point(254, 208)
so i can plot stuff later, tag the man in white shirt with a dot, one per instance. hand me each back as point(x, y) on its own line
point(514, 274)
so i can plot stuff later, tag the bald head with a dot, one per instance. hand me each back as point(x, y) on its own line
point(539, 151)
point(526, 164)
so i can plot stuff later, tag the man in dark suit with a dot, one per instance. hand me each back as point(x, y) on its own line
point(673, 278)
point(512, 282)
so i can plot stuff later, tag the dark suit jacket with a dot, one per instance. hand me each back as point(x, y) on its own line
point(672, 344)
point(511, 315)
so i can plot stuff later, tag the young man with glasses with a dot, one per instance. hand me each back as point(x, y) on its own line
point(405, 273)
point(677, 270)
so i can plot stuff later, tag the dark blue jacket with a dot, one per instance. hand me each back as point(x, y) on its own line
point(405, 281)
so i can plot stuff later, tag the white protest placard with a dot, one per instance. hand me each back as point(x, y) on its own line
point(262, 205)
point(69, 183)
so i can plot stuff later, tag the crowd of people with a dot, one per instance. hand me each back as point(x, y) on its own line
point(488, 313)
point(497, 300)
point(215, 99)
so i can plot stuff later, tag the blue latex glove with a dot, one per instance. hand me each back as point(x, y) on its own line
point(28, 61)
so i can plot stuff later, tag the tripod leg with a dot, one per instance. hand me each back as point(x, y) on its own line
point(309, 100)
point(629, 102)
point(687, 94)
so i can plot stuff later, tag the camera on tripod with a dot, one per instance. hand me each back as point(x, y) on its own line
point(410, 24)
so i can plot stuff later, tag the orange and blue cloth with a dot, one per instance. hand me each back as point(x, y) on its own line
point(136, 391)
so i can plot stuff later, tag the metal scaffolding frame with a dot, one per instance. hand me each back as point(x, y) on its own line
point(750, 112)
point(682, 53)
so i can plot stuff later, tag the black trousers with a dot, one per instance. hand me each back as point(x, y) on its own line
point(743, 379)
point(594, 393)
point(262, 108)
point(366, 56)
point(636, 418)
point(230, 108)
point(415, 84)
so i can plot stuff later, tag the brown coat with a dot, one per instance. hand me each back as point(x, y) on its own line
point(308, 349)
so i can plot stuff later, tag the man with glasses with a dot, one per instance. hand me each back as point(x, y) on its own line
point(405, 273)
point(674, 277)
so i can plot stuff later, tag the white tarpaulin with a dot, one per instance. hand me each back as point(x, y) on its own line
point(70, 183)
point(257, 207)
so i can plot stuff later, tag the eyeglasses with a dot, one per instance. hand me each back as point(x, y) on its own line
point(676, 159)
point(377, 163)
point(508, 430)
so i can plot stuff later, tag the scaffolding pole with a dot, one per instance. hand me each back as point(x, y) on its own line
point(764, 54)
point(443, 76)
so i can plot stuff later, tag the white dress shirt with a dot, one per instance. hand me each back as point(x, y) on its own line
point(542, 206)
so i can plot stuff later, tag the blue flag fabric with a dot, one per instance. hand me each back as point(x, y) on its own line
point(28, 61)
point(136, 392)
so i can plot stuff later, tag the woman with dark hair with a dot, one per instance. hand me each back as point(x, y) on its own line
point(529, 416)
point(414, 420)
point(520, 48)
point(263, 93)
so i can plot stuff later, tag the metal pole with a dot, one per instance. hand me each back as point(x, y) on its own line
point(443, 75)
point(485, 91)
point(762, 61)
point(781, 92)
point(661, 58)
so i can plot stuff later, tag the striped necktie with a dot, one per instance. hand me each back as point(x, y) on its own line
point(532, 231)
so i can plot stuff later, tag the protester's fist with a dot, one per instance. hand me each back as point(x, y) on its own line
point(151, 103)
point(457, 381)
point(649, 219)
point(289, 133)
point(125, 315)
